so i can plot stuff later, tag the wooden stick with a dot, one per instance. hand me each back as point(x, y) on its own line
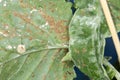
point(111, 26)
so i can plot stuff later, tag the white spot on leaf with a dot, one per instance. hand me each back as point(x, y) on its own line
point(72, 41)
point(91, 7)
point(4, 34)
point(5, 4)
point(9, 47)
point(6, 27)
point(0, 1)
point(14, 47)
point(44, 26)
point(21, 48)
point(33, 10)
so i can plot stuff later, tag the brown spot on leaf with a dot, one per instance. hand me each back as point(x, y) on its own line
point(24, 5)
point(33, 75)
point(83, 65)
point(65, 76)
point(69, 72)
point(25, 18)
point(84, 50)
point(52, 5)
point(76, 51)
point(57, 26)
point(44, 77)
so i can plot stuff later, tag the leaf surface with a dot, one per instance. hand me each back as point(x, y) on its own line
point(88, 30)
point(41, 26)
point(87, 40)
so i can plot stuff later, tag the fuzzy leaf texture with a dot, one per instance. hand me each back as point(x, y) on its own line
point(33, 38)
point(87, 30)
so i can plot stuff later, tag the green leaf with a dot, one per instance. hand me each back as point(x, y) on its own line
point(40, 26)
point(111, 70)
point(67, 57)
point(87, 30)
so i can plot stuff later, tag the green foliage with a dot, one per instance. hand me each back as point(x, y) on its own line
point(88, 29)
point(41, 40)
point(87, 41)
point(40, 26)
